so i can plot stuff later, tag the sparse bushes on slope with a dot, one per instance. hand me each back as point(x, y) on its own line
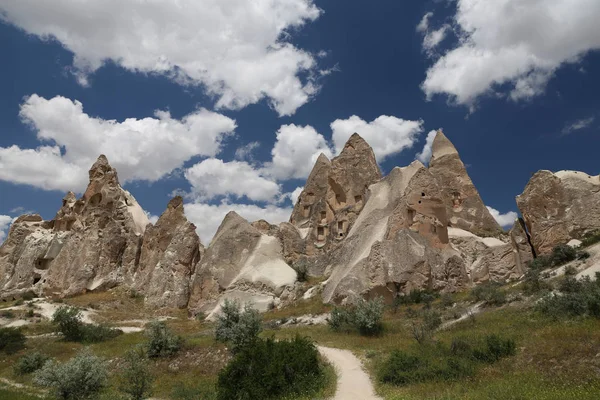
point(82, 377)
point(560, 255)
point(590, 238)
point(440, 363)
point(30, 363)
point(423, 331)
point(69, 323)
point(161, 341)
point(575, 298)
point(135, 379)
point(365, 317)
point(11, 340)
point(269, 369)
point(238, 327)
point(489, 292)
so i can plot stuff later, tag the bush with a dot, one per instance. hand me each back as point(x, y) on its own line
point(8, 314)
point(239, 328)
point(563, 253)
point(82, 377)
point(575, 298)
point(183, 392)
point(590, 238)
point(423, 331)
point(269, 369)
point(30, 363)
point(135, 379)
point(28, 296)
point(533, 283)
point(11, 340)
point(416, 296)
point(68, 320)
point(162, 342)
point(494, 349)
point(365, 317)
point(490, 293)
point(440, 363)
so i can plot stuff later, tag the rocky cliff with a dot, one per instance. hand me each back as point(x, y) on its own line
point(362, 235)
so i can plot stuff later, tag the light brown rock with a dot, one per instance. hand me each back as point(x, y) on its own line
point(464, 206)
point(558, 207)
point(398, 243)
point(170, 251)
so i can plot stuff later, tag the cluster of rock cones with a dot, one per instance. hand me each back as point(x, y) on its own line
point(363, 234)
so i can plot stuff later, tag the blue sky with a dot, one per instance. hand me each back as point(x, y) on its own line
point(249, 93)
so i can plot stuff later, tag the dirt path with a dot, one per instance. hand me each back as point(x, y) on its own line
point(353, 382)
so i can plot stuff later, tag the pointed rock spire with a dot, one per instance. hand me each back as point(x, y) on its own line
point(464, 206)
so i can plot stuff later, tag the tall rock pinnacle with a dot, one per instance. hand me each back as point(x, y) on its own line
point(464, 206)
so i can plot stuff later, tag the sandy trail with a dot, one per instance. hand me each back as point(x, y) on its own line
point(353, 382)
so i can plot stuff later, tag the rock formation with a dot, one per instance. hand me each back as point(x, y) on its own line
point(398, 243)
point(170, 251)
point(558, 207)
point(243, 262)
point(464, 206)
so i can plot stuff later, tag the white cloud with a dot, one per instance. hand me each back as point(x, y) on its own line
point(151, 217)
point(504, 220)
point(387, 135)
point(212, 177)
point(424, 24)
point(140, 149)
point(296, 194)
point(425, 155)
point(512, 41)
point(245, 152)
point(5, 222)
point(578, 125)
point(208, 217)
point(237, 49)
point(295, 151)
point(434, 38)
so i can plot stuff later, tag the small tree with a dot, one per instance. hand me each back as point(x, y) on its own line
point(11, 340)
point(368, 315)
point(135, 379)
point(82, 377)
point(162, 342)
point(239, 328)
point(68, 320)
point(30, 363)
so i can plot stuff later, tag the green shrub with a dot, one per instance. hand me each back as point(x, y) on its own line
point(199, 392)
point(239, 328)
point(575, 298)
point(68, 320)
point(8, 314)
point(11, 340)
point(82, 377)
point(368, 315)
point(494, 349)
point(447, 300)
point(364, 317)
point(533, 282)
point(161, 341)
point(540, 262)
point(135, 379)
point(29, 363)
point(562, 254)
point(436, 362)
point(490, 293)
point(590, 238)
point(269, 369)
point(416, 296)
point(30, 313)
point(28, 296)
point(423, 330)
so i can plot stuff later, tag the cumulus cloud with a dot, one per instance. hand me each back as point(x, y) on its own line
point(212, 177)
point(245, 152)
point(208, 217)
point(434, 38)
point(578, 125)
point(296, 194)
point(5, 222)
point(387, 135)
point(424, 23)
point(521, 43)
point(295, 151)
point(237, 49)
point(140, 149)
point(425, 155)
point(504, 220)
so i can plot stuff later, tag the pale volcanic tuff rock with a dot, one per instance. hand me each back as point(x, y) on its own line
point(464, 207)
point(558, 207)
point(398, 243)
point(330, 202)
point(170, 251)
point(244, 261)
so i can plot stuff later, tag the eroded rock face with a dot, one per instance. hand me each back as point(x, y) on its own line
point(558, 207)
point(170, 251)
point(464, 207)
point(398, 243)
point(92, 243)
point(243, 262)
